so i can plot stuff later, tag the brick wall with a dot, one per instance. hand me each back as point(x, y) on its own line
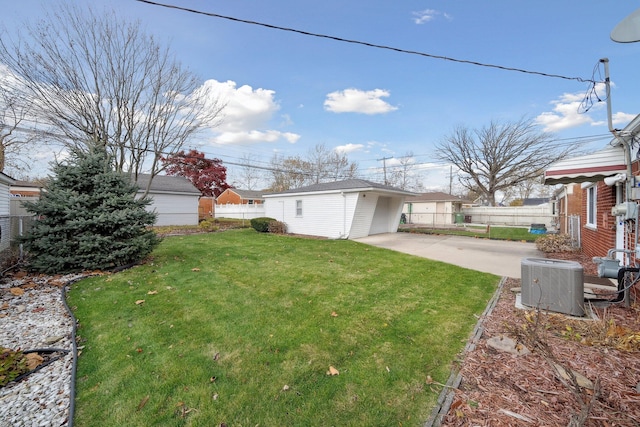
point(228, 196)
point(596, 242)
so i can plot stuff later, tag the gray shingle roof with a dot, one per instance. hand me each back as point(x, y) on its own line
point(248, 194)
point(349, 184)
point(170, 184)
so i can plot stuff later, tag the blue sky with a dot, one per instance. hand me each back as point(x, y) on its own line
point(287, 92)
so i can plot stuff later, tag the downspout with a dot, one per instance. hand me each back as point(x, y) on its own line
point(344, 216)
point(614, 132)
point(627, 147)
point(629, 182)
point(566, 208)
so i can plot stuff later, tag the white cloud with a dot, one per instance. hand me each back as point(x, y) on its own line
point(348, 148)
point(358, 101)
point(422, 16)
point(246, 114)
point(568, 112)
point(617, 119)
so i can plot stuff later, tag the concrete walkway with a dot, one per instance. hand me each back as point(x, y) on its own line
point(499, 257)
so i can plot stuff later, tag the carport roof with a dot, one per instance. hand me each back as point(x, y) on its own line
point(350, 185)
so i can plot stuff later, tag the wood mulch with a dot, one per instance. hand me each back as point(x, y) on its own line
point(501, 389)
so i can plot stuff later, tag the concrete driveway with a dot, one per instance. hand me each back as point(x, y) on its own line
point(499, 257)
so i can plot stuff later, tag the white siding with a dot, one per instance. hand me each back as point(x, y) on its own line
point(363, 215)
point(175, 209)
point(5, 222)
point(4, 199)
point(337, 215)
point(327, 215)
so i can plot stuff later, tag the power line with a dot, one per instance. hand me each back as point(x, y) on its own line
point(358, 42)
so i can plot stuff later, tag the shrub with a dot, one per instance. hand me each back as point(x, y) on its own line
point(277, 227)
point(261, 224)
point(551, 243)
point(209, 224)
point(12, 365)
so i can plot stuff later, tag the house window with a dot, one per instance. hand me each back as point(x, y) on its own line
point(591, 206)
point(250, 201)
point(298, 207)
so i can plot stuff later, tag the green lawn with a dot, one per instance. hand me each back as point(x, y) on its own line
point(241, 328)
point(493, 232)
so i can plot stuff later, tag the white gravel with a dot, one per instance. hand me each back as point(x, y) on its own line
point(37, 319)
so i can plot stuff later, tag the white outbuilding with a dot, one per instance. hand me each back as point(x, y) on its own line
point(175, 199)
point(348, 209)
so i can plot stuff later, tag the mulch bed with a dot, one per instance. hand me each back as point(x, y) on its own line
point(501, 389)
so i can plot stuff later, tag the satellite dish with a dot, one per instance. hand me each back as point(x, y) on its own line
point(628, 30)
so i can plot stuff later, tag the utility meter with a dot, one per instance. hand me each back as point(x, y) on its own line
point(627, 209)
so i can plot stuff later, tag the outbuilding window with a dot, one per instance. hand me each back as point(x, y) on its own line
point(298, 207)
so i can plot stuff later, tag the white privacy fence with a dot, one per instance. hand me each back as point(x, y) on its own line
point(522, 216)
point(244, 211)
point(513, 215)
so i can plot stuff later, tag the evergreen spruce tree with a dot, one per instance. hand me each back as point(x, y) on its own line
point(88, 219)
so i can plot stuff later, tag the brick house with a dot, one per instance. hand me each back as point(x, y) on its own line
point(567, 206)
point(603, 180)
point(240, 204)
point(235, 196)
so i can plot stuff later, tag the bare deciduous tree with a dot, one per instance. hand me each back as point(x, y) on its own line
point(249, 174)
point(13, 138)
point(404, 173)
point(499, 156)
point(321, 165)
point(100, 81)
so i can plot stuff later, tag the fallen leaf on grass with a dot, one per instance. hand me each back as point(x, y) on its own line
point(140, 301)
point(195, 269)
point(143, 402)
point(332, 371)
point(152, 292)
point(334, 314)
point(16, 291)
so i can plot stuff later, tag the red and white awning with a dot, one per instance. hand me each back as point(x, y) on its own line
point(592, 167)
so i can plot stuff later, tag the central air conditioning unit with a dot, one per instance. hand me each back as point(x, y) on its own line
point(553, 285)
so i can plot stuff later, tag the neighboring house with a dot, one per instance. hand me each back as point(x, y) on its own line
point(348, 209)
point(600, 230)
point(206, 207)
point(567, 207)
point(23, 191)
point(175, 199)
point(535, 201)
point(241, 204)
point(5, 221)
point(433, 208)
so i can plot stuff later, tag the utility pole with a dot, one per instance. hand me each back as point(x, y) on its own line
point(451, 179)
point(384, 168)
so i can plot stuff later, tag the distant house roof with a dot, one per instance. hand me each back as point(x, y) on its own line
point(247, 194)
point(167, 184)
point(535, 201)
point(436, 196)
point(6, 179)
point(350, 185)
